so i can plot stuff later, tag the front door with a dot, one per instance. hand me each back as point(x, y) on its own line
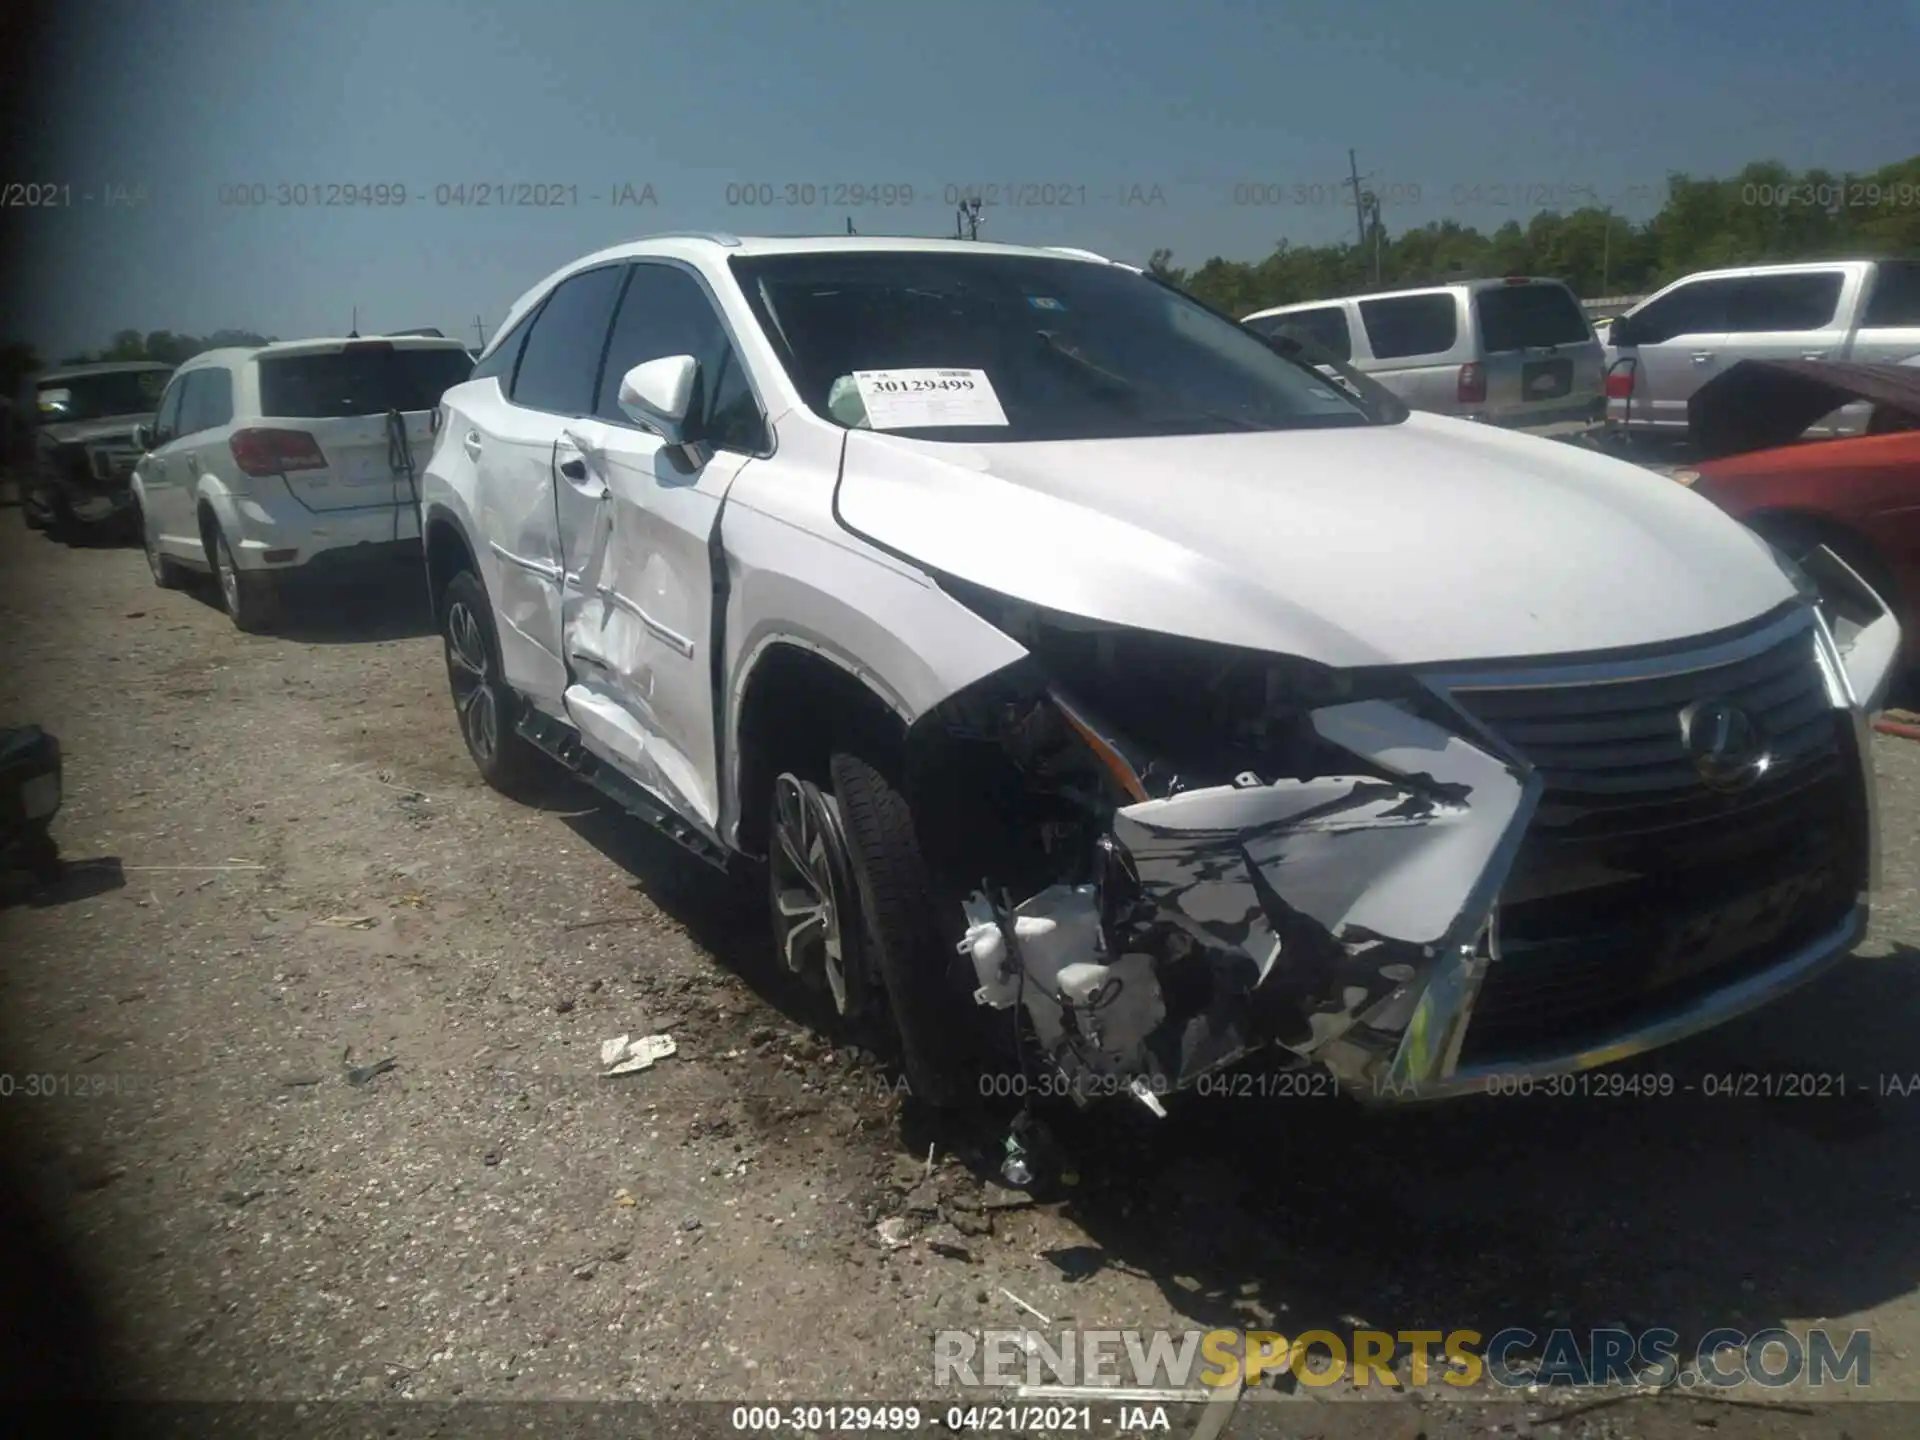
point(637, 519)
point(1677, 341)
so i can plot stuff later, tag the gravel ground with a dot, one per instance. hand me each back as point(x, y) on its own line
point(289, 871)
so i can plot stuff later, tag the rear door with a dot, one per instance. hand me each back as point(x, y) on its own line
point(1801, 315)
point(637, 521)
point(206, 421)
point(1677, 337)
point(339, 394)
point(509, 432)
point(1540, 354)
point(1414, 339)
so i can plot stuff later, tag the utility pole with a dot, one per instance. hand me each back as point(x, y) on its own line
point(1359, 210)
point(1606, 254)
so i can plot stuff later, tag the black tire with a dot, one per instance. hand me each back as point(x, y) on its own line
point(932, 1009)
point(167, 574)
point(252, 600)
point(485, 705)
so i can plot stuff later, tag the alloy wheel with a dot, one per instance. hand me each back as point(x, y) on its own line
point(470, 670)
point(813, 907)
point(229, 576)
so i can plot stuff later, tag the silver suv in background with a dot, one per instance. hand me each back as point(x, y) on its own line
point(1677, 339)
point(1517, 352)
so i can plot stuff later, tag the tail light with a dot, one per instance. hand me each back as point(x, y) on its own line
point(1620, 383)
point(1472, 389)
point(275, 452)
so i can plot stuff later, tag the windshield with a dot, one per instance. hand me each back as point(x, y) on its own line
point(1519, 317)
point(990, 348)
point(68, 398)
point(359, 382)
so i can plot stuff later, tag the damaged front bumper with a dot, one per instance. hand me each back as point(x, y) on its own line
point(1544, 870)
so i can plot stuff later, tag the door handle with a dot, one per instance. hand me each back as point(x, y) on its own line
point(1813, 354)
point(472, 445)
point(1703, 357)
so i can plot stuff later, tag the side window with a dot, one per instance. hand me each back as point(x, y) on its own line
point(193, 404)
point(1785, 302)
point(219, 399)
point(664, 312)
point(1895, 301)
point(1325, 327)
point(562, 353)
point(208, 402)
point(1411, 324)
point(167, 423)
point(734, 421)
point(1698, 308)
point(505, 355)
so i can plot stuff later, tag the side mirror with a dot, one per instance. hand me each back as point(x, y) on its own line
point(1620, 332)
point(143, 436)
point(657, 394)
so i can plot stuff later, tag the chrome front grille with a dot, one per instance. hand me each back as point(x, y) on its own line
point(1639, 886)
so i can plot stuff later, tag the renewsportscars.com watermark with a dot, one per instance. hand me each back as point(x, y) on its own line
point(1195, 1364)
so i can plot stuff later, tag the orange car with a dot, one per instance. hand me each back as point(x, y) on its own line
point(1858, 494)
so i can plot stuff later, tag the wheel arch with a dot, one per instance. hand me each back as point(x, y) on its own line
point(447, 552)
point(797, 702)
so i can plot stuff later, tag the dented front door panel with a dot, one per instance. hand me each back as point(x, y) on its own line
point(1336, 897)
point(637, 520)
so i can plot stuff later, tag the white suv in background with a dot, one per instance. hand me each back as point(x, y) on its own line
point(1517, 352)
point(291, 458)
point(1101, 682)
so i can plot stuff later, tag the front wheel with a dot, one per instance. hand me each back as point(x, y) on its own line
point(485, 704)
point(932, 1006)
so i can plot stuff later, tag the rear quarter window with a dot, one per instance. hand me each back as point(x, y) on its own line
point(1405, 325)
point(1523, 317)
point(359, 382)
point(1894, 303)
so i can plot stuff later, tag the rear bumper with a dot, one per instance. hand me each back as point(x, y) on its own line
point(1587, 411)
point(271, 523)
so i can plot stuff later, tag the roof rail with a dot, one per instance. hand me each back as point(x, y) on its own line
point(718, 237)
point(1078, 253)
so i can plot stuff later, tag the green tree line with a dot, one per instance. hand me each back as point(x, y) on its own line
point(1766, 213)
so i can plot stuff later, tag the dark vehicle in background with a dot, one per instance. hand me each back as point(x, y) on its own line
point(83, 446)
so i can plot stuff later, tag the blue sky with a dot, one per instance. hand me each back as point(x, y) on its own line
point(1092, 98)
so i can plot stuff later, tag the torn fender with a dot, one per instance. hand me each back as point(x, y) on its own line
point(1339, 898)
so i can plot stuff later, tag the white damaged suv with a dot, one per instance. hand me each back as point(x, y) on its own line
point(1101, 682)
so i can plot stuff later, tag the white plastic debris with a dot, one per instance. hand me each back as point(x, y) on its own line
point(895, 1232)
point(624, 1054)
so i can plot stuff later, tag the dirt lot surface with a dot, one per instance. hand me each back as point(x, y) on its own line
point(287, 870)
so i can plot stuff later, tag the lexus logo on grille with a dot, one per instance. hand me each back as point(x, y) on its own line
point(1725, 744)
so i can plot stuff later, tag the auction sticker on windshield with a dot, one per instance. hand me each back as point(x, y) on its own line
point(923, 399)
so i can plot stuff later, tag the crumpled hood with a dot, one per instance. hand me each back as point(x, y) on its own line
point(1428, 541)
point(107, 427)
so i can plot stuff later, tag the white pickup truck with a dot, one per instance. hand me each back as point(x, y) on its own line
point(1676, 340)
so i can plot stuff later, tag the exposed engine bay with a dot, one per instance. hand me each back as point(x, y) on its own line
point(1170, 854)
